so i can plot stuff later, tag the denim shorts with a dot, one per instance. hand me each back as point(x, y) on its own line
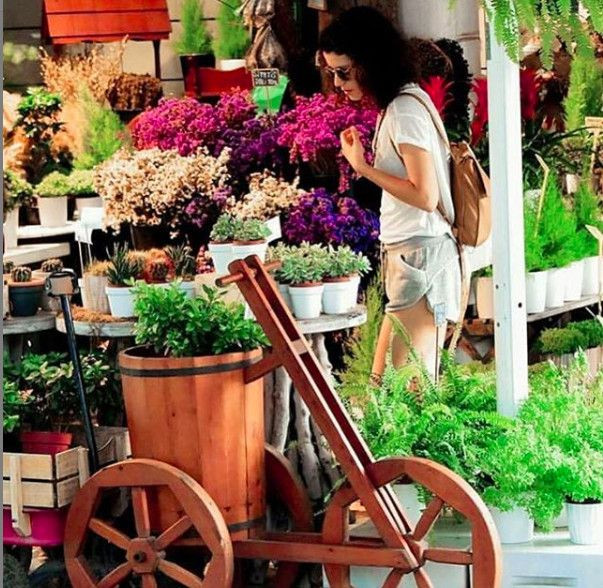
point(423, 266)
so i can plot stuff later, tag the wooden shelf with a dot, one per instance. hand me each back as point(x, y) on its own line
point(36, 252)
point(20, 325)
point(567, 307)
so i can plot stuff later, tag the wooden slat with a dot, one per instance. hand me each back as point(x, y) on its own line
point(35, 494)
point(33, 467)
point(20, 520)
point(66, 490)
point(75, 6)
point(67, 463)
point(108, 24)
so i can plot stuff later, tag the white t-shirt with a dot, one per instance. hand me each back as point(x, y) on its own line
point(406, 120)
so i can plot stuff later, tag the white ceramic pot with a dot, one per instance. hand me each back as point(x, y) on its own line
point(221, 254)
point(573, 281)
point(10, 229)
point(188, 287)
point(408, 496)
point(89, 202)
point(484, 295)
point(121, 301)
point(536, 291)
point(561, 520)
point(514, 526)
point(585, 522)
point(555, 287)
point(243, 250)
point(284, 290)
point(336, 296)
point(590, 277)
point(353, 287)
point(230, 64)
point(306, 300)
point(53, 211)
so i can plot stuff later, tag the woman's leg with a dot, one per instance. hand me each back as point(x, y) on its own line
point(383, 343)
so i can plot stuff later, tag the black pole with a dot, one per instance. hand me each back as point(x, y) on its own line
point(79, 382)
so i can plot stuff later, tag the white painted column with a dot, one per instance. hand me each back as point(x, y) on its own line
point(507, 229)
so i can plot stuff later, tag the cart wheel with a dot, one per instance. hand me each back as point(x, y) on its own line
point(289, 509)
point(144, 553)
point(447, 488)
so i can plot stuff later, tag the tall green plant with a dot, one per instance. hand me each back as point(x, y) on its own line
point(586, 207)
point(534, 258)
point(194, 39)
point(585, 93)
point(233, 39)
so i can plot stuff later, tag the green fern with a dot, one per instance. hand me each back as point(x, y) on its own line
point(585, 94)
point(194, 39)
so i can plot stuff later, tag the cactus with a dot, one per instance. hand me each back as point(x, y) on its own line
point(158, 270)
point(52, 265)
point(21, 274)
point(8, 267)
point(182, 258)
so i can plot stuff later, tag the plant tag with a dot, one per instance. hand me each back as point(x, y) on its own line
point(595, 232)
point(268, 76)
point(439, 314)
point(274, 226)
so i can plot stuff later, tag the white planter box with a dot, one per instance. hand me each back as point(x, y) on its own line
point(590, 278)
point(121, 301)
point(573, 281)
point(484, 294)
point(243, 250)
point(221, 254)
point(306, 301)
point(53, 211)
point(514, 526)
point(10, 229)
point(536, 291)
point(336, 296)
point(585, 522)
point(230, 64)
point(555, 287)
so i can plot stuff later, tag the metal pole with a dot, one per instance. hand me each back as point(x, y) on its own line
point(507, 230)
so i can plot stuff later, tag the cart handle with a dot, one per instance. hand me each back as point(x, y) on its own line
point(233, 278)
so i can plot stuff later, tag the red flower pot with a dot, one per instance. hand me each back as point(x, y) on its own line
point(47, 442)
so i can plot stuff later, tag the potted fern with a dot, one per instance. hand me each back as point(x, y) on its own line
point(193, 46)
point(250, 238)
point(122, 271)
point(220, 242)
point(586, 206)
point(232, 40)
point(536, 270)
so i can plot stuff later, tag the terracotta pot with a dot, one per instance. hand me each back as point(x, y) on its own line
point(199, 415)
point(46, 442)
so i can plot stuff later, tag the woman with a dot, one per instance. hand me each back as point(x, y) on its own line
point(365, 55)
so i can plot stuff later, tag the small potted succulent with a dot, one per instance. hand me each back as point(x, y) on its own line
point(24, 292)
point(342, 279)
point(94, 284)
point(48, 266)
point(220, 242)
point(17, 192)
point(52, 194)
point(250, 238)
point(279, 253)
point(184, 267)
point(123, 270)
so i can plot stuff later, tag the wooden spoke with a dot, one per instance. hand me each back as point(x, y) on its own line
point(109, 533)
point(179, 574)
point(149, 581)
point(173, 533)
point(141, 512)
point(428, 519)
point(449, 556)
point(119, 574)
point(422, 579)
point(393, 579)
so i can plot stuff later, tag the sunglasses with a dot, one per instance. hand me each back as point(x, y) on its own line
point(343, 73)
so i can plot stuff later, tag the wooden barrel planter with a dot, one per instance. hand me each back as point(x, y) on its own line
point(199, 415)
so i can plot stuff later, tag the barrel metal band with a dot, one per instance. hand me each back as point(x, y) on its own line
point(188, 371)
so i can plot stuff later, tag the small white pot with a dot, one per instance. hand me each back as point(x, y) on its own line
point(89, 202)
point(121, 301)
point(585, 522)
point(53, 211)
point(10, 229)
point(230, 64)
point(336, 296)
point(284, 290)
point(590, 277)
point(243, 250)
point(555, 287)
point(221, 254)
point(573, 281)
point(484, 295)
point(306, 300)
point(408, 496)
point(353, 287)
point(536, 291)
point(514, 526)
point(188, 287)
point(561, 520)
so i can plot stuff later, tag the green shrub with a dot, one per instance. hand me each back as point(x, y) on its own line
point(17, 191)
point(194, 39)
point(54, 185)
point(576, 336)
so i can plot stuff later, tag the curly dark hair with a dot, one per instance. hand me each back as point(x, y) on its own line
point(381, 55)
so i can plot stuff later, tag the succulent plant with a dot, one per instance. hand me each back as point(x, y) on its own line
point(52, 265)
point(21, 274)
point(343, 261)
point(7, 267)
point(158, 270)
point(182, 259)
point(251, 229)
point(123, 268)
point(97, 268)
point(223, 229)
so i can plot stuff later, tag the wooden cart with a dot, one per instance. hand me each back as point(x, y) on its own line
point(203, 522)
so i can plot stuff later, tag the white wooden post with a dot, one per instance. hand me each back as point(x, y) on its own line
point(507, 233)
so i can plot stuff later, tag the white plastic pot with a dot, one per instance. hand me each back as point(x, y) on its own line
point(306, 300)
point(336, 296)
point(561, 520)
point(353, 287)
point(121, 301)
point(585, 522)
point(230, 64)
point(590, 277)
point(536, 291)
point(242, 250)
point(484, 295)
point(53, 211)
point(514, 526)
point(555, 287)
point(221, 254)
point(573, 281)
point(188, 287)
point(408, 496)
point(10, 229)
point(284, 290)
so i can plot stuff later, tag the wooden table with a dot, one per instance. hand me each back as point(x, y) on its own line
point(111, 330)
point(36, 252)
point(19, 326)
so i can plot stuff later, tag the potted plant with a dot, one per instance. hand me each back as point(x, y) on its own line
point(48, 266)
point(17, 192)
point(24, 292)
point(303, 271)
point(121, 273)
point(81, 187)
point(184, 267)
point(279, 253)
point(232, 40)
point(94, 285)
point(342, 279)
point(193, 46)
point(52, 194)
point(586, 206)
point(220, 243)
point(484, 293)
point(536, 270)
point(250, 238)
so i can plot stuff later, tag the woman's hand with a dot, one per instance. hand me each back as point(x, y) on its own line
point(352, 149)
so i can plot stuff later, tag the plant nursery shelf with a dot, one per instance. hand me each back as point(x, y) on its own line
point(588, 301)
point(34, 253)
point(20, 325)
